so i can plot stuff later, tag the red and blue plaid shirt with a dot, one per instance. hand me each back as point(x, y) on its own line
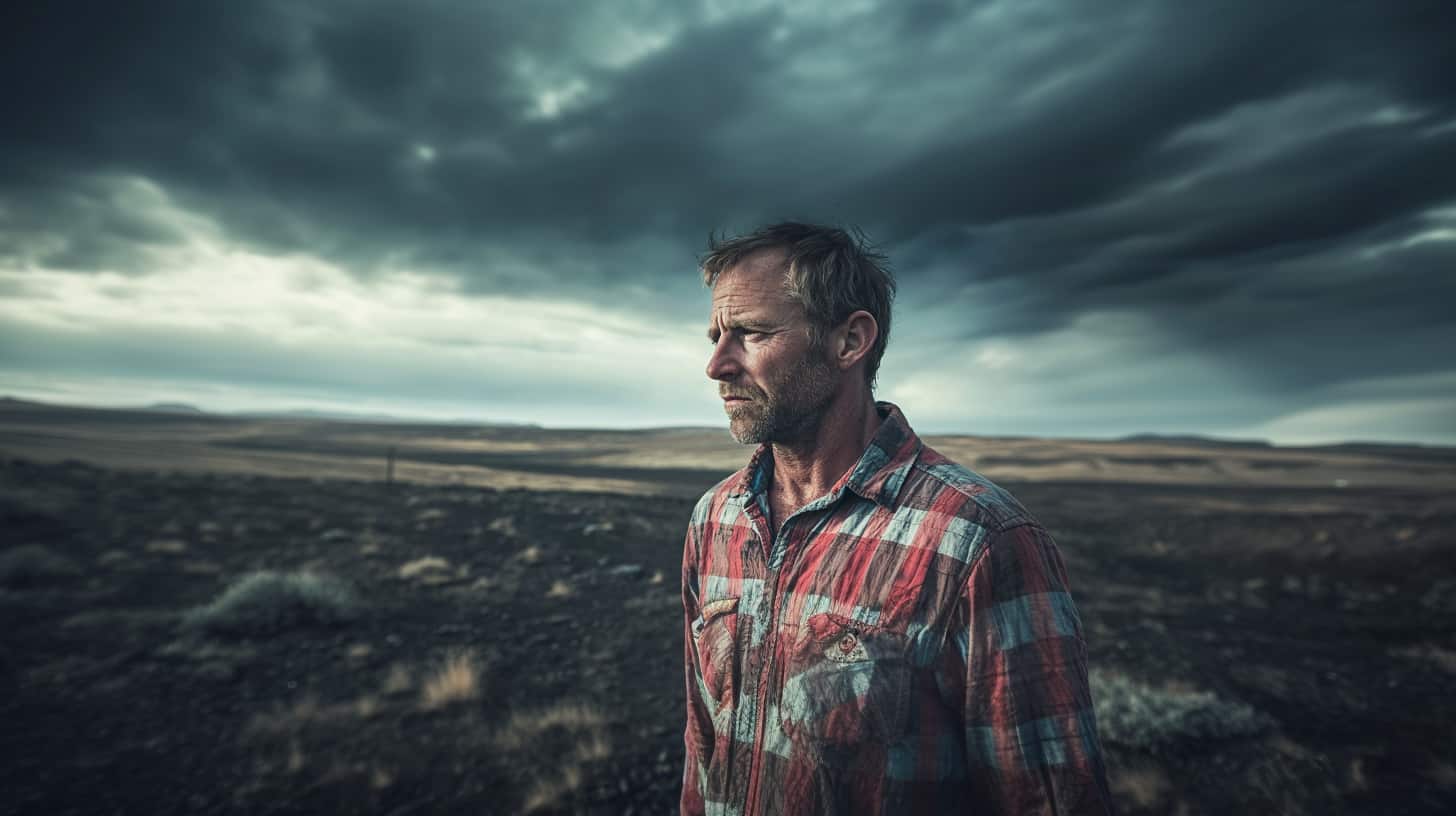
point(906, 643)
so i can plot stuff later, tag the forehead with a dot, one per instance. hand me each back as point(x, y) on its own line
point(756, 287)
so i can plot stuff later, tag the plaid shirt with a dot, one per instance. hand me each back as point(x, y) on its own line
point(905, 644)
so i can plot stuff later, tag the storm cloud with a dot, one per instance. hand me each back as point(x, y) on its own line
point(1236, 218)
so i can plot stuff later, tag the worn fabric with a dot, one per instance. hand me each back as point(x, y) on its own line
point(905, 644)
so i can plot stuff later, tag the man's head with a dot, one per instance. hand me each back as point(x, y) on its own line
point(797, 309)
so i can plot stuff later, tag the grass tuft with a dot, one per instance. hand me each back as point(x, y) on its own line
point(1159, 720)
point(562, 740)
point(420, 566)
point(456, 681)
point(265, 603)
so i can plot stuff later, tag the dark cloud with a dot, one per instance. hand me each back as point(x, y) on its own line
point(1254, 177)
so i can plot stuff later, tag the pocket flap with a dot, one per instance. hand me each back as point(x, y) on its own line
point(714, 609)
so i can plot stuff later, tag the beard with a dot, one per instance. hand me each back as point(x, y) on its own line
point(792, 410)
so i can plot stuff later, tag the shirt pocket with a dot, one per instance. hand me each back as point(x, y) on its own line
point(848, 684)
point(715, 633)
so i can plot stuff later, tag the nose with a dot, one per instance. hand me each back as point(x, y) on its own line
point(723, 364)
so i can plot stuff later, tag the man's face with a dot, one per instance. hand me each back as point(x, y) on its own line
point(775, 387)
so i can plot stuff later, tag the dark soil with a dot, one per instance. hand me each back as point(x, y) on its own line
point(1331, 612)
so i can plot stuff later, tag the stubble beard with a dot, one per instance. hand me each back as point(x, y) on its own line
point(795, 409)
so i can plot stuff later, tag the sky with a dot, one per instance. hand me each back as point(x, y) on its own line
point(1235, 219)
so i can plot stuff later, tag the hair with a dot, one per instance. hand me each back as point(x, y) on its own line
point(831, 272)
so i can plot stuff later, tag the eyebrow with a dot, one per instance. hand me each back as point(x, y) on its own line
point(749, 325)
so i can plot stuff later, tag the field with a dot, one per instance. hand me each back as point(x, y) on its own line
point(219, 615)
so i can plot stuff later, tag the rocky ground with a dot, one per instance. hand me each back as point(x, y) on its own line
point(1256, 650)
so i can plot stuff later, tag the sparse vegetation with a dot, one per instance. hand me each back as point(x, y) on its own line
point(264, 603)
point(32, 565)
point(398, 681)
point(1157, 720)
point(567, 736)
point(333, 720)
point(456, 681)
point(420, 566)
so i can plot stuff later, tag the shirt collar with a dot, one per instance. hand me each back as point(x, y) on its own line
point(877, 476)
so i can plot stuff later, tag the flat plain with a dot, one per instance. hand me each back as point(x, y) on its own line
point(224, 615)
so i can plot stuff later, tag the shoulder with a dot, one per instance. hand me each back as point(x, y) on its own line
point(975, 498)
point(973, 510)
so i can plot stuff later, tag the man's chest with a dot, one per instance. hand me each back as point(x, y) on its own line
point(813, 641)
point(862, 575)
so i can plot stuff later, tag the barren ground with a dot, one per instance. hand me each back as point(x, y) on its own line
point(518, 642)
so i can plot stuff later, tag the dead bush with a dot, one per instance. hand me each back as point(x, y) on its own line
point(457, 680)
point(264, 603)
point(1157, 720)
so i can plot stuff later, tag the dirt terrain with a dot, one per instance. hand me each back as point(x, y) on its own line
point(498, 630)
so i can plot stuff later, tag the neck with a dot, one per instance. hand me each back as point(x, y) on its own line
point(805, 469)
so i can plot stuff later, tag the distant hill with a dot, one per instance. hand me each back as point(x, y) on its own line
point(174, 408)
point(389, 419)
point(1197, 439)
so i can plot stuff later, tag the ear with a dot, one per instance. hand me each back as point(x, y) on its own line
point(852, 340)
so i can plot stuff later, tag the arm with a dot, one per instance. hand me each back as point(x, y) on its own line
point(698, 735)
point(1016, 645)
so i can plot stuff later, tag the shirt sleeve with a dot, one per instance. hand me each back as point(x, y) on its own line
point(1016, 662)
point(698, 734)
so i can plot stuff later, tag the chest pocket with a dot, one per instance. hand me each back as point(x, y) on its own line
point(848, 684)
point(715, 632)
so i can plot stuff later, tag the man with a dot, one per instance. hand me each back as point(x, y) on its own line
point(870, 627)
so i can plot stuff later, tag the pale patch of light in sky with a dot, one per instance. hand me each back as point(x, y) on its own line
point(1409, 420)
point(400, 326)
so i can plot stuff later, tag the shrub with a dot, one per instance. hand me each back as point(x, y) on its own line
point(456, 681)
point(266, 602)
point(1154, 720)
point(34, 565)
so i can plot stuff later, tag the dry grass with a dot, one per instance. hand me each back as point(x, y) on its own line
point(567, 736)
point(366, 707)
point(200, 567)
point(380, 778)
point(1147, 786)
point(306, 712)
point(548, 791)
point(111, 557)
point(420, 566)
point(398, 681)
point(458, 680)
point(1444, 659)
point(524, 727)
point(359, 651)
point(505, 525)
point(1355, 779)
point(285, 719)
